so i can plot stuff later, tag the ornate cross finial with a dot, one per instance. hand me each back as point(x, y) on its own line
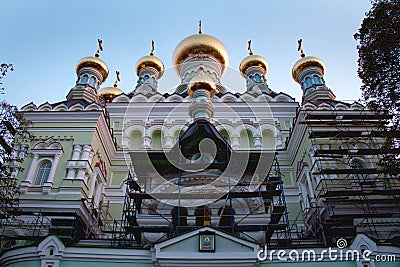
point(117, 80)
point(200, 30)
point(249, 48)
point(100, 48)
point(152, 48)
point(300, 48)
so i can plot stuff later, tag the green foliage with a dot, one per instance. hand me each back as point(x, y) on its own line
point(379, 70)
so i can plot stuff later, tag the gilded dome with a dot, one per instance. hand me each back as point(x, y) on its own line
point(93, 62)
point(252, 61)
point(305, 62)
point(150, 61)
point(201, 81)
point(109, 93)
point(201, 44)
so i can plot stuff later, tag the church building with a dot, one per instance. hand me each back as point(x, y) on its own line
point(202, 176)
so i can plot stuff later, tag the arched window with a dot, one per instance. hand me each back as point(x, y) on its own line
point(136, 140)
point(43, 173)
point(308, 82)
point(92, 81)
point(225, 135)
point(84, 79)
point(258, 78)
point(316, 79)
point(268, 139)
point(145, 78)
point(246, 139)
point(156, 143)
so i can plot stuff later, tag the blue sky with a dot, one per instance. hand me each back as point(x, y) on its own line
point(44, 39)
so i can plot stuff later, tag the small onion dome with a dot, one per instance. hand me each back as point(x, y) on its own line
point(109, 93)
point(253, 61)
point(150, 61)
point(201, 81)
point(305, 62)
point(93, 62)
point(200, 44)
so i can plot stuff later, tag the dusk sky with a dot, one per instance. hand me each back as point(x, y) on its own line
point(45, 39)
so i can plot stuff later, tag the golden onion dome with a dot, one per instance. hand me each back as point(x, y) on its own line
point(93, 62)
point(253, 61)
point(201, 81)
point(305, 62)
point(150, 61)
point(200, 44)
point(109, 93)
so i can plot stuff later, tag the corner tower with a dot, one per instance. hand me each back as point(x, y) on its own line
point(254, 68)
point(149, 69)
point(91, 72)
point(309, 73)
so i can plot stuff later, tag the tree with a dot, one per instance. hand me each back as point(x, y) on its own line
point(4, 68)
point(13, 144)
point(379, 70)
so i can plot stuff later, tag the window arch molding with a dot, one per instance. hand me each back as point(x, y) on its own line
point(156, 131)
point(152, 129)
point(47, 150)
point(129, 131)
point(227, 131)
point(269, 133)
point(254, 131)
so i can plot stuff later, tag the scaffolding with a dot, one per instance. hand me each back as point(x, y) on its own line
point(239, 211)
point(27, 228)
point(32, 227)
point(354, 193)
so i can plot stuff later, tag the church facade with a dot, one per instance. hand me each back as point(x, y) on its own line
point(203, 176)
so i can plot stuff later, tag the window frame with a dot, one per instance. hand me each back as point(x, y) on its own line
point(83, 81)
point(41, 181)
point(92, 81)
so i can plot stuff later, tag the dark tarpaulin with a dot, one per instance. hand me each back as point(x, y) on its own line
point(200, 129)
